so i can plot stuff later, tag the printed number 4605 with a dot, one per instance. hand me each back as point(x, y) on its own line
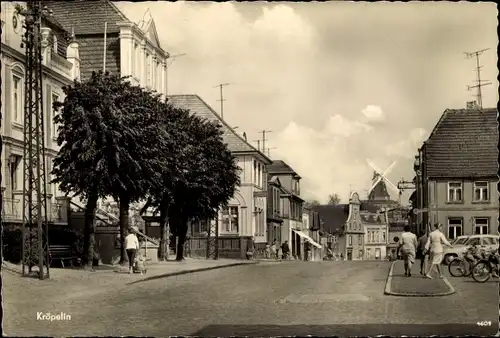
point(484, 323)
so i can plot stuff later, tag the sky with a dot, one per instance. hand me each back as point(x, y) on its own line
point(337, 83)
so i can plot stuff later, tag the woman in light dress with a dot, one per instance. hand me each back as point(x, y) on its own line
point(408, 247)
point(434, 246)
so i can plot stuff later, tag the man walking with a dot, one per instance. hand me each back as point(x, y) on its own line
point(131, 246)
point(285, 249)
point(421, 252)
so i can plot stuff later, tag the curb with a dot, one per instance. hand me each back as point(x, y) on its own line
point(184, 272)
point(387, 291)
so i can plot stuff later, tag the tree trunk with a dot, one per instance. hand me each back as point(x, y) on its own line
point(181, 233)
point(124, 206)
point(89, 230)
point(164, 232)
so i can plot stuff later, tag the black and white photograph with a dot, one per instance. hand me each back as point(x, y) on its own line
point(251, 169)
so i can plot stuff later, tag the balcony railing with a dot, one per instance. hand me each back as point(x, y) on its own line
point(13, 209)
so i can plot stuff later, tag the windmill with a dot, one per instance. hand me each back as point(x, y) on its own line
point(380, 175)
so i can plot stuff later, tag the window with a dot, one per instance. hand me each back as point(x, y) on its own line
point(474, 241)
point(259, 175)
point(383, 236)
point(489, 241)
point(454, 228)
point(17, 98)
point(350, 240)
point(254, 172)
point(135, 63)
point(148, 69)
point(454, 191)
point(481, 191)
point(54, 112)
point(230, 219)
point(54, 43)
point(360, 239)
point(481, 226)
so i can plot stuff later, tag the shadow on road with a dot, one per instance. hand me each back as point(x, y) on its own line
point(394, 330)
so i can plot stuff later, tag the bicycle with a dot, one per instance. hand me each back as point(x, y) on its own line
point(462, 266)
point(485, 268)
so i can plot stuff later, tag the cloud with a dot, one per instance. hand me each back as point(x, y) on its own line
point(408, 147)
point(373, 113)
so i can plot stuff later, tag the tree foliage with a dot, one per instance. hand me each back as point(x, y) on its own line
point(311, 203)
point(199, 176)
point(333, 199)
point(106, 129)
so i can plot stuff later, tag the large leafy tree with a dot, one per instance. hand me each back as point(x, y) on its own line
point(200, 178)
point(108, 131)
point(333, 199)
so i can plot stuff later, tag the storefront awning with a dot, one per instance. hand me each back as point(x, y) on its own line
point(307, 238)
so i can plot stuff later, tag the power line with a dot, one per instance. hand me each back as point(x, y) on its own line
point(480, 83)
point(221, 86)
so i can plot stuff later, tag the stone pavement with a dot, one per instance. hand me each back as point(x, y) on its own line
point(416, 285)
point(258, 300)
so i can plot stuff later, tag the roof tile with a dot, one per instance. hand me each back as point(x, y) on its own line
point(87, 16)
point(463, 144)
point(197, 106)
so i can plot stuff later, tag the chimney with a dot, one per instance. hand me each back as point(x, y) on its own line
point(245, 136)
point(73, 56)
point(471, 105)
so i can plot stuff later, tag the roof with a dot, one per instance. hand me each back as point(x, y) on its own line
point(275, 180)
point(372, 218)
point(280, 167)
point(333, 217)
point(463, 144)
point(197, 106)
point(87, 16)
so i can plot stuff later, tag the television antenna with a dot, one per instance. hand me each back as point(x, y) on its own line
point(221, 86)
point(480, 83)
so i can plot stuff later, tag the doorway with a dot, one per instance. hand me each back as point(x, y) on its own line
point(349, 254)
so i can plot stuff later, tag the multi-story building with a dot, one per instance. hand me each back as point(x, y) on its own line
point(274, 219)
point(376, 235)
point(243, 220)
point(311, 247)
point(60, 67)
point(291, 204)
point(457, 170)
point(110, 41)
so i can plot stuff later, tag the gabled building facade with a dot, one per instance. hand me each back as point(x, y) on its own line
point(110, 41)
point(274, 218)
point(60, 66)
point(244, 221)
point(457, 169)
point(291, 204)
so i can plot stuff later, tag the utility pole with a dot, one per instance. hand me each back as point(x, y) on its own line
point(258, 144)
point(480, 83)
point(34, 183)
point(221, 86)
point(264, 138)
point(269, 151)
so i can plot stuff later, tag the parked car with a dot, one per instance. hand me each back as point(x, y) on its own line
point(484, 242)
point(460, 240)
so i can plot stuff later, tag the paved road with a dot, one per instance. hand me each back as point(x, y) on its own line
point(268, 299)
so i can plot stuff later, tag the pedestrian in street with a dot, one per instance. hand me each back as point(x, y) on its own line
point(434, 246)
point(274, 250)
point(267, 251)
point(285, 249)
point(131, 246)
point(408, 247)
point(421, 252)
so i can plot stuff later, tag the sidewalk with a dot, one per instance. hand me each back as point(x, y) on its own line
point(416, 285)
point(108, 275)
